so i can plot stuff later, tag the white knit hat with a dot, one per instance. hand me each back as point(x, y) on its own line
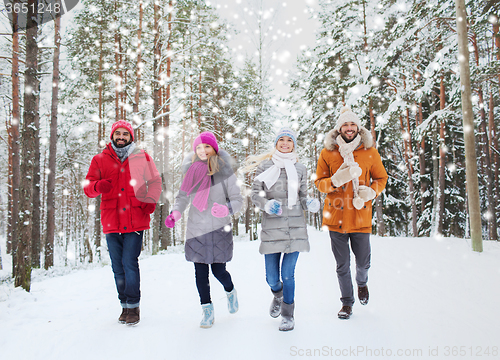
point(346, 115)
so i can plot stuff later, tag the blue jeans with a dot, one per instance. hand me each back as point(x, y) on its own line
point(287, 274)
point(124, 250)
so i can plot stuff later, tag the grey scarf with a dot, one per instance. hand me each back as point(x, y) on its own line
point(124, 152)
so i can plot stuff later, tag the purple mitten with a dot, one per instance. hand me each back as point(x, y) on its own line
point(220, 211)
point(172, 218)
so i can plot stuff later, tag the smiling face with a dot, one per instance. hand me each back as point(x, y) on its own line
point(121, 137)
point(204, 151)
point(284, 144)
point(349, 131)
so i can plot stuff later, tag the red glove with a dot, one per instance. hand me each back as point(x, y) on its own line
point(149, 206)
point(220, 211)
point(103, 186)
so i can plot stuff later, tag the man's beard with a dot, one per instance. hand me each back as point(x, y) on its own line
point(122, 145)
point(346, 139)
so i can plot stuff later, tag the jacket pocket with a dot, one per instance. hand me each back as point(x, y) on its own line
point(363, 217)
point(138, 217)
point(109, 214)
point(332, 212)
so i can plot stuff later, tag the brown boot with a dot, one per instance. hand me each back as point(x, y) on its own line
point(363, 294)
point(345, 313)
point(133, 316)
point(123, 317)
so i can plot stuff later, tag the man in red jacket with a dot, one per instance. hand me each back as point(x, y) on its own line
point(130, 186)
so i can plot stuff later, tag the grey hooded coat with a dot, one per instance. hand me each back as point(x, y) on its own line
point(210, 239)
point(286, 233)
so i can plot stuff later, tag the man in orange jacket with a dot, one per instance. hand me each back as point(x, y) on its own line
point(351, 172)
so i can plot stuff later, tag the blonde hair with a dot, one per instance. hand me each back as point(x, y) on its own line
point(252, 162)
point(213, 162)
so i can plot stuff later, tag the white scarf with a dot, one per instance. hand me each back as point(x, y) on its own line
point(346, 151)
point(271, 175)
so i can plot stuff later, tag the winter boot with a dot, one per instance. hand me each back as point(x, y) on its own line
point(232, 301)
point(208, 315)
point(123, 317)
point(287, 321)
point(363, 294)
point(133, 316)
point(345, 313)
point(275, 309)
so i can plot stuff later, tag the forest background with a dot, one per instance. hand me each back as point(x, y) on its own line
point(172, 69)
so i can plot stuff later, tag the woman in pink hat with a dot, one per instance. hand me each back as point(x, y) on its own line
point(210, 187)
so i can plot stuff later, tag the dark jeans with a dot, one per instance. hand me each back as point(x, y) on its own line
point(201, 273)
point(360, 243)
point(124, 250)
point(287, 273)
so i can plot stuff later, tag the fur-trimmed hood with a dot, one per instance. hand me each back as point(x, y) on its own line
point(331, 138)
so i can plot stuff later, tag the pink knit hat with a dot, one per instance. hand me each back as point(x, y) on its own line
point(122, 124)
point(206, 138)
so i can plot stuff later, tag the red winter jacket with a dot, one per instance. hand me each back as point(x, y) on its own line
point(134, 182)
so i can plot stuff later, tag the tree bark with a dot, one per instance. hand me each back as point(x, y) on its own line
point(492, 218)
point(493, 136)
point(165, 232)
point(378, 201)
point(16, 118)
point(157, 126)
point(51, 179)
point(23, 254)
point(442, 158)
point(468, 119)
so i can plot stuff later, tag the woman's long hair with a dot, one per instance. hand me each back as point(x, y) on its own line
point(214, 162)
point(252, 162)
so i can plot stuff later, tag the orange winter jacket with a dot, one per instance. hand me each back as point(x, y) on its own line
point(339, 214)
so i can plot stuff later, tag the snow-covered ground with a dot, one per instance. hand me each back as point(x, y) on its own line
point(430, 299)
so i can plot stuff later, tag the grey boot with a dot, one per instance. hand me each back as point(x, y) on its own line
point(287, 321)
point(275, 309)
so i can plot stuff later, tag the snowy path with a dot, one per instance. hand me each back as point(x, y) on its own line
point(426, 295)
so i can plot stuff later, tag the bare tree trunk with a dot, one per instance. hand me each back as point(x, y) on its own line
point(468, 119)
point(493, 136)
point(16, 118)
point(117, 64)
point(157, 128)
point(496, 39)
point(165, 233)
point(378, 200)
point(421, 154)
point(23, 254)
point(409, 165)
point(492, 218)
point(442, 158)
point(35, 215)
point(51, 179)
point(100, 130)
point(138, 71)
point(8, 126)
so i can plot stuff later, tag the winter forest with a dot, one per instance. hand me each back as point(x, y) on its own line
point(174, 68)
